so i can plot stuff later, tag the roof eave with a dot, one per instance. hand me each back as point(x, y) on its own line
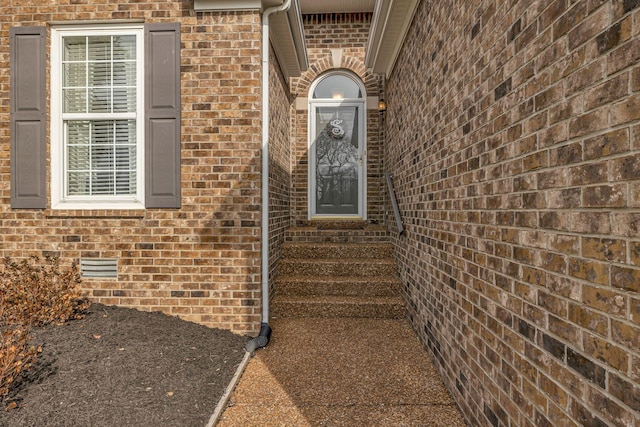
point(286, 31)
point(208, 5)
point(391, 21)
point(287, 39)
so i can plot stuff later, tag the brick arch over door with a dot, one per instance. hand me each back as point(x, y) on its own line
point(355, 65)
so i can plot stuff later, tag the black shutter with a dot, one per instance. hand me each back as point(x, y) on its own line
point(162, 115)
point(28, 106)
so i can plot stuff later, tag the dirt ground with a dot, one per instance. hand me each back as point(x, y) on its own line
point(123, 367)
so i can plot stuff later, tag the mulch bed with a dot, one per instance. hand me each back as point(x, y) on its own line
point(123, 367)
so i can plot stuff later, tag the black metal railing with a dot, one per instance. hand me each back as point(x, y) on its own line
point(394, 203)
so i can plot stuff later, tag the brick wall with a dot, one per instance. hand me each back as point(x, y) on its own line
point(513, 133)
point(279, 162)
point(200, 262)
point(325, 34)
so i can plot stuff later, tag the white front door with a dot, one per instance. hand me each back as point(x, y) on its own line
point(337, 160)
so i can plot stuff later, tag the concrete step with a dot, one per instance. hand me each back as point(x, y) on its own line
point(337, 285)
point(320, 232)
point(337, 306)
point(337, 250)
point(337, 267)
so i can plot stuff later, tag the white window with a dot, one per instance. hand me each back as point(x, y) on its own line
point(97, 127)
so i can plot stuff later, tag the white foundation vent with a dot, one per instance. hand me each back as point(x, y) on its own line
point(99, 267)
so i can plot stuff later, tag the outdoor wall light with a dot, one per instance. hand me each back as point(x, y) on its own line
point(382, 106)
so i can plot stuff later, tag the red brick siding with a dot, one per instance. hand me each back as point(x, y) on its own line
point(513, 135)
point(200, 262)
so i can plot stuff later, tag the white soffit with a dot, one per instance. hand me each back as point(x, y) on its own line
point(235, 4)
point(287, 39)
point(336, 6)
point(391, 20)
point(227, 4)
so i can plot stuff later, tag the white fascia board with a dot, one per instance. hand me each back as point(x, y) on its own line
point(391, 21)
point(378, 24)
point(283, 46)
point(203, 5)
point(297, 32)
point(287, 39)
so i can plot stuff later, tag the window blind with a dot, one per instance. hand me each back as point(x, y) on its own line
point(99, 82)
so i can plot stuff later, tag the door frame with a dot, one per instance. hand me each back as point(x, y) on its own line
point(361, 103)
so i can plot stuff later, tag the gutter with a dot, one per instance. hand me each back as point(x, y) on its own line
point(265, 330)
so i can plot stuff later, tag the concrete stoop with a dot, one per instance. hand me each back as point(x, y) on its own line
point(334, 270)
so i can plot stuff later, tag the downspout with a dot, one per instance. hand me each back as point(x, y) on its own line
point(265, 330)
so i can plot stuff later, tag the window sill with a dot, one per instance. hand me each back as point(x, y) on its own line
point(106, 213)
point(96, 210)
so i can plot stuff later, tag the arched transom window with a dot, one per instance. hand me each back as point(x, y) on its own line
point(337, 86)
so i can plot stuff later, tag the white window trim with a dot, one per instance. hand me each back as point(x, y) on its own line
point(58, 199)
